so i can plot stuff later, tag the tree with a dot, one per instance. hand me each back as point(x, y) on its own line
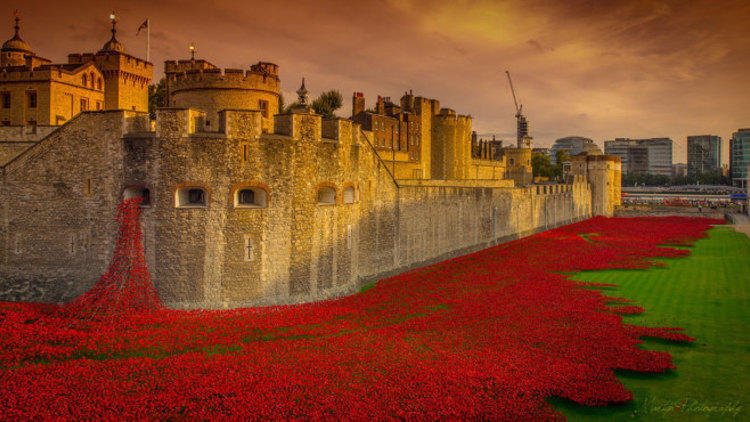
point(561, 156)
point(328, 102)
point(157, 97)
point(541, 165)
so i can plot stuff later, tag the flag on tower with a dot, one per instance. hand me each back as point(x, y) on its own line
point(144, 25)
point(147, 26)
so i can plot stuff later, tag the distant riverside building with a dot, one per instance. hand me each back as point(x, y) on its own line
point(739, 157)
point(574, 145)
point(704, 154)
point(540, 150)
point(679, 170)
point(642, 156)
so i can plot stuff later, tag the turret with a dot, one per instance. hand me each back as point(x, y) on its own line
point(198, 84)
point(15, 51)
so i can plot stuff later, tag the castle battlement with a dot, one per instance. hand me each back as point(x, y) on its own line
point(49, 73)
point(226, 78)
point(125, 61)
point(452, 118)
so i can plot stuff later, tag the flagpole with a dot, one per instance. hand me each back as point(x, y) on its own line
point(148, 40)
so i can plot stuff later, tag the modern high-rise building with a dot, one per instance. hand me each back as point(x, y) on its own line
point(704, 154)
point(642, 156)
point(739, 157)
point(574, 145)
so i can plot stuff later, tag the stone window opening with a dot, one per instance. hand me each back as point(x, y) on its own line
point(248, 249)
point(93, 79)
point(245, 153)
point(6, 99)
point(84, 81)
point(196, 196)
point(349, 236)
point(326, 196)
point(17, 246)
point(99, 84)
point(349, 195)
point(31, 96)
point(250, 197)
point(138, 192)
point(263, 106)
point(72, 244)
point(190, 197)
point(89, 186)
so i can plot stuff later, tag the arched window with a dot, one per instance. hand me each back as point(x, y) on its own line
point(92, 79)
point(196, 196)
point(99, 84)
point(190, 197)
point(84, 80)
point(246, 197)
point(250, 197)
point(138, 192)
point(326, 195)
point(349, 195)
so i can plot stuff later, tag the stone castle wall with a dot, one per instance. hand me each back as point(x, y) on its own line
point(58, 206)
point(59, 201)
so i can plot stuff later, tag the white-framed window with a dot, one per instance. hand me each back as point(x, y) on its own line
point(191, 197)
point(250, 197)
point(326, 195)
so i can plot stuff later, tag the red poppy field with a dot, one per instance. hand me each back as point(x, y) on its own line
point(493, 334)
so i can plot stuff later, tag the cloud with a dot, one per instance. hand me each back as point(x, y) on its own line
point(598, 69)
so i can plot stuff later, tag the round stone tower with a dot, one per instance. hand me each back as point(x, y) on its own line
point(199, 85)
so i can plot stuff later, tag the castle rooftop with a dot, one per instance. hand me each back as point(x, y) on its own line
point(16, 43)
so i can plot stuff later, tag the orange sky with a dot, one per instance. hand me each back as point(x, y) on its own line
point(601, 69)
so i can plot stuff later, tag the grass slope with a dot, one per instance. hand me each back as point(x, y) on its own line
point(707, 294)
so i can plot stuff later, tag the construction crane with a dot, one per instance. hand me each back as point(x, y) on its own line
point(523, 140)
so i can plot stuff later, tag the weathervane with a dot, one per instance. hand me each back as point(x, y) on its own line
point(192, 51)
point(113, 18)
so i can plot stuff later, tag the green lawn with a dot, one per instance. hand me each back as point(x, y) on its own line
point(707, 294)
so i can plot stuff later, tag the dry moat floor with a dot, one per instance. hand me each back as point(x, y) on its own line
point(619, 318)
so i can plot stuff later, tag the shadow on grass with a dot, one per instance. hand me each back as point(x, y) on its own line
point(562, 404)
point(640, 375)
